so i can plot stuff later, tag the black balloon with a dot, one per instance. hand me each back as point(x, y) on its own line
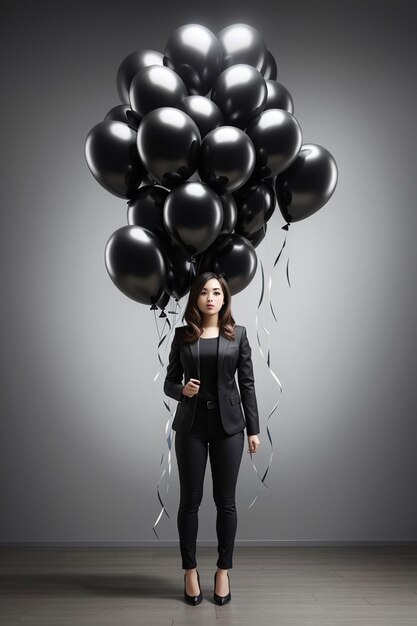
point(193, 216)
point(242, 43)
point(163, 300)
point(278, 97)
point(258, 236)
point(269, 70)
point(203, 111)
point(195, 54)
point(202, 174)
point(180, 271)
point(146, 209)
point(131, 65)
point(155, 87)
point(169, 144)
point(277, 138)
point(227, 159)
point(240, 93)
point(307, 184)
point(123, 113)
point(255, 205)
point(136, 264)
point(229, 214)
point(235, 257)
point(113, 159)
point(147, 179)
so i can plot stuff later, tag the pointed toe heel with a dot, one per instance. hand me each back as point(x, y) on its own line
point(221, 600)
point(193, 600)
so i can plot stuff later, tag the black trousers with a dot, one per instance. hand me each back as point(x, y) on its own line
point(207, 437)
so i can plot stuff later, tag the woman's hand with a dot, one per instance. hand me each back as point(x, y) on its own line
point(191, 388)
point(253, 443)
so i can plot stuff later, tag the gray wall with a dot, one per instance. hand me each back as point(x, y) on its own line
point(82, 422)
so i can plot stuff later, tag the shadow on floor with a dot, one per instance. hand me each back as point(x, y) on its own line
point(90, 584)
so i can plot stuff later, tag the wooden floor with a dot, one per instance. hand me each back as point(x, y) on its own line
point(303, 586)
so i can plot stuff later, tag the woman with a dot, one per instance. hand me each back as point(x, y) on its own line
point(205, 355)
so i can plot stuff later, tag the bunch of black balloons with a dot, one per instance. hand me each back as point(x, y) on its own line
point(203, 147)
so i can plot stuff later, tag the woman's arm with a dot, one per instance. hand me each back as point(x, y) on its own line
point(247, 385)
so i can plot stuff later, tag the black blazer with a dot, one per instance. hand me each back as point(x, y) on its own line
point(233, 355)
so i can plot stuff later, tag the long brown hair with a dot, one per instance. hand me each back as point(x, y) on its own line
point(193, 316)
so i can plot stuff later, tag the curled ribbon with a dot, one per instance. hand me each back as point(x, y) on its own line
point(268, 359)
point(164, 336)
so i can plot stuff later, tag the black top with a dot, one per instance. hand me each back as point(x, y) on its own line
point(208, 368)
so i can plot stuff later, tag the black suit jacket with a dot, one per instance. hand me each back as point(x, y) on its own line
point(232, 356)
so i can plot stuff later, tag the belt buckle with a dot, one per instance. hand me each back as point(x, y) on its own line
point(211, 404)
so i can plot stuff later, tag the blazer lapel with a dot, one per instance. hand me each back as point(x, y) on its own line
point(223, 345)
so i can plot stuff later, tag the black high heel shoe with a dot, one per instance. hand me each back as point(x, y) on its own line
point(193, 600)
point(221, 600)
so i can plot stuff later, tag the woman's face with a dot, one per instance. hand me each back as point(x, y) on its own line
point(211, 297)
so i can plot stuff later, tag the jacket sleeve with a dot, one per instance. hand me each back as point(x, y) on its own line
point(247, 386)
point(173, 384)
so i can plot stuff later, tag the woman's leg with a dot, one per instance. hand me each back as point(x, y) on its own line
point(225, 457)
point(191, 452)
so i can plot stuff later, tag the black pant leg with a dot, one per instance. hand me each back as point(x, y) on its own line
point(225, 458)
point(191, 452)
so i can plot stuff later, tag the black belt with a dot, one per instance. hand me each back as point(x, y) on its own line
point(208, 404)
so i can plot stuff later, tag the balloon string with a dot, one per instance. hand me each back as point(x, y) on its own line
point(168, 426)
point(161, 337)
point(261, 478)
point(287, 272)
point(286, 227)
point(258, 308)
point(268, 362)
point(273, 267)
point(169, 436)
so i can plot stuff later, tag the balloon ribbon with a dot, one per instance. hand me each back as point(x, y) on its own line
point(268, 360)
point(163, 335)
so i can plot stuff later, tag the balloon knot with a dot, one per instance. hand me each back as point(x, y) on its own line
point(286, 227)
point(153, 307)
